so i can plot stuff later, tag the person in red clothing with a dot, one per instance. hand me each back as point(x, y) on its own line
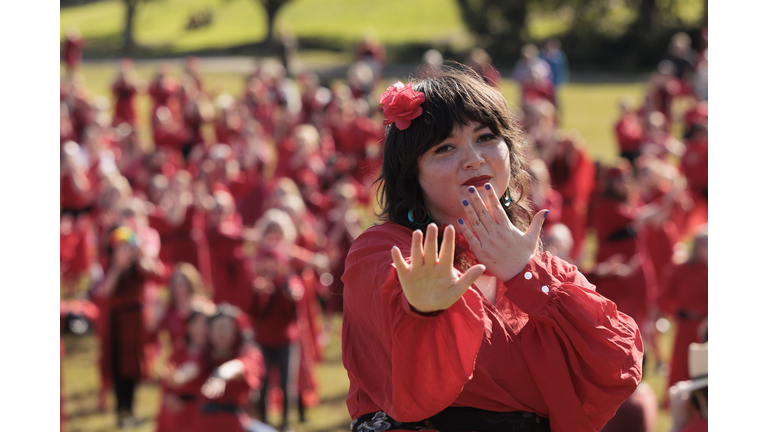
point(573, 176)
point(122, 346)
point(489, 333)
point(684, 298)
point(125, 88)
point(629, 132)
point(226, 235)
point(233, 368)
point(273, 314)
point(73, 49)
point(182, 377)
point(184, 290)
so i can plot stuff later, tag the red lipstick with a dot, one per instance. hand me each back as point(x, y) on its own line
point(477, 181)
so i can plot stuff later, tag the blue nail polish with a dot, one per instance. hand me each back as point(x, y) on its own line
point(546, 213)
point(465, 202)
point(487, 186)
point(471, 189)
point(461, 221)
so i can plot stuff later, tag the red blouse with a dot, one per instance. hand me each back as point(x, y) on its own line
point(550, 345)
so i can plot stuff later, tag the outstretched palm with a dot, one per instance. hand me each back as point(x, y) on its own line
point(430, 282)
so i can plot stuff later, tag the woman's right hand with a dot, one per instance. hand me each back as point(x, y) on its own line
point(430, 283)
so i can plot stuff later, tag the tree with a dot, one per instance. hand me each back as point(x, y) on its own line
point(130, 12)
point(271, 7)
point(498, 24)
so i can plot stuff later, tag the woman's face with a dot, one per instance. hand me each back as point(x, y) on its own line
point(471, 156)
point(222, 333)
point(197, 330)
point(182, 292)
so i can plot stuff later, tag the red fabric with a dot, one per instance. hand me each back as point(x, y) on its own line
point(125, 96)
point(72, 199)
point(685, 289)
point(633, 292)
point(573, 175)
point(695, 162)
point(230, 283)
point(629, 133)
point(236, 392)
point(568, 354)
point(699, 426)
point(273, 315)
point(636, 414)
point(175, 325)
point(184, 420)
point(124, 325)
point(73, 52)
point(533, 91)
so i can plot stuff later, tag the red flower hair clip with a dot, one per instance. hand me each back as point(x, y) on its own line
point(401, 104)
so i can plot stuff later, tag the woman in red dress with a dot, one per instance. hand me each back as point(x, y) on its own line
point(123, 338)
point(684, 298)
point(232, 368)
point(486, 332)
point(183, 378)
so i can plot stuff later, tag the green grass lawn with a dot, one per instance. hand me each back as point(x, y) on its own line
point(160, 25)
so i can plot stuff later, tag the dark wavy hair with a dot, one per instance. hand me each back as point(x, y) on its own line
point(453, 99)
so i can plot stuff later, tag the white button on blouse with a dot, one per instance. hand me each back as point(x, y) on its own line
point(528, 275)
point(545, 289)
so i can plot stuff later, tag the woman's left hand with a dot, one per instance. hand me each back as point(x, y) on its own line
point(496, 243)
point(214, 387)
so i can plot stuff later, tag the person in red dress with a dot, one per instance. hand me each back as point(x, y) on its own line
point(184, 290)
point(684, 298)
point(182, 378)
point(122, 349)
point(573, 176)
point(73, 49)
point(277, 290)
point(488, 332)
point(629, 132)
point(125, 88)
point(226, 235)
point(233, 368)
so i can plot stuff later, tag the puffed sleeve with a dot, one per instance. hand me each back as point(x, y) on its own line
point(253, 366)
point(584, 355)
point(412, 366)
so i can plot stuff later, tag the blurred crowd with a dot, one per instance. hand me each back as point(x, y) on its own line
point(224, 238)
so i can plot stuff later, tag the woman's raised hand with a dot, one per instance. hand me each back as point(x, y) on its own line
point(430, 282)
point(498, 244)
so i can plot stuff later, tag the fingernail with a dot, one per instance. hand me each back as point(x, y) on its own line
point(471, 189)
point(465, 202)
point(461, 221)
point(487, 186)
point(546, 213)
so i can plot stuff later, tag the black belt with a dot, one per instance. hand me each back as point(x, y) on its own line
point(187, 397)
point(622, 234)
point(457, 419)
point(212, 408)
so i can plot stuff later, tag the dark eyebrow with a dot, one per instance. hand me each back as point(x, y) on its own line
point(481, 126)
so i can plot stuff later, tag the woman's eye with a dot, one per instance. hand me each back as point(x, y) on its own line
point(442, 149)
point(486, 137)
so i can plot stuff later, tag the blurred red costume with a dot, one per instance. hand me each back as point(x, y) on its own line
point(573, 175)
point(125, 96)
point(566, 354)
point(685, 298)
point(226, 413)
point(188, 393)
point(230, 282)
point(615, 235)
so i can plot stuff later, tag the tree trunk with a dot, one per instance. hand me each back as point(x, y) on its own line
point(130, 13)
point(271, 6)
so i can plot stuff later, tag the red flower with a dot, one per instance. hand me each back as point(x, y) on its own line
point(401, 104)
